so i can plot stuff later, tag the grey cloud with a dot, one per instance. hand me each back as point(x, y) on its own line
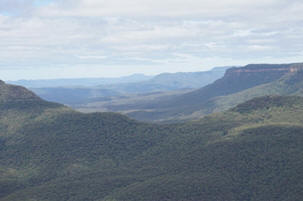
point(66, 33)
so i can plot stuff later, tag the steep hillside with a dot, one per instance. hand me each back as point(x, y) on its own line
point(289, 84)
point(12, 93)
point(42, 141)
point(252, 152)
point(212, 97)
point(16, 98)
point(238, 79)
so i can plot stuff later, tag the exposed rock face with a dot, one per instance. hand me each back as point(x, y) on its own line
point(235, 80)
point(296, 67)
point(287, 78)
point(267, 68)
point(238, 79)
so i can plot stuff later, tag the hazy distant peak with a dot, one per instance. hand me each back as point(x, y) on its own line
point(223, 68)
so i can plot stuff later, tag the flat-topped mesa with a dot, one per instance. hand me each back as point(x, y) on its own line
point(241, 78)
point(264, 68)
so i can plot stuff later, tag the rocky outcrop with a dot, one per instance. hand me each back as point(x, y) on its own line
point(267, 68)
point(240, 78)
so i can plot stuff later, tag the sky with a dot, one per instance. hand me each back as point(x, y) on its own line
point(46, 39)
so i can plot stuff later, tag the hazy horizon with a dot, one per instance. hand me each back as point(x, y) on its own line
point(117, 77)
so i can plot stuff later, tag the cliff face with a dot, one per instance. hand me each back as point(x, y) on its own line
point(235, 80)
point(266, 68)
point(286, 78)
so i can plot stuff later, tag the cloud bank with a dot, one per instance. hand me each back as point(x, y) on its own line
point(76, 38)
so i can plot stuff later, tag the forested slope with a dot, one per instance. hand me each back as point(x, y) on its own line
point(49, 152)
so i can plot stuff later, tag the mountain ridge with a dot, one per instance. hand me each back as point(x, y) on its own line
point(206, 99)
point(75, 95)
point(76, 82)
point(10, 92)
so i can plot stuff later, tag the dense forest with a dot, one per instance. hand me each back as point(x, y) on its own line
point(50, 152)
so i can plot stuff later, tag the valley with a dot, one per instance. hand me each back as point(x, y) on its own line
point(119, 94)
point(236, 86)
point(51, 152)
point(151, 100)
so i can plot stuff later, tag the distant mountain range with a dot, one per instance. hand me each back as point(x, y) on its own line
point(239, 84)
point(82, 91)
point(173, 81)
point(80, 82)
point(251, 152)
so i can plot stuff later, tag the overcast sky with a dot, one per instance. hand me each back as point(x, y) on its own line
point(108, 38)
